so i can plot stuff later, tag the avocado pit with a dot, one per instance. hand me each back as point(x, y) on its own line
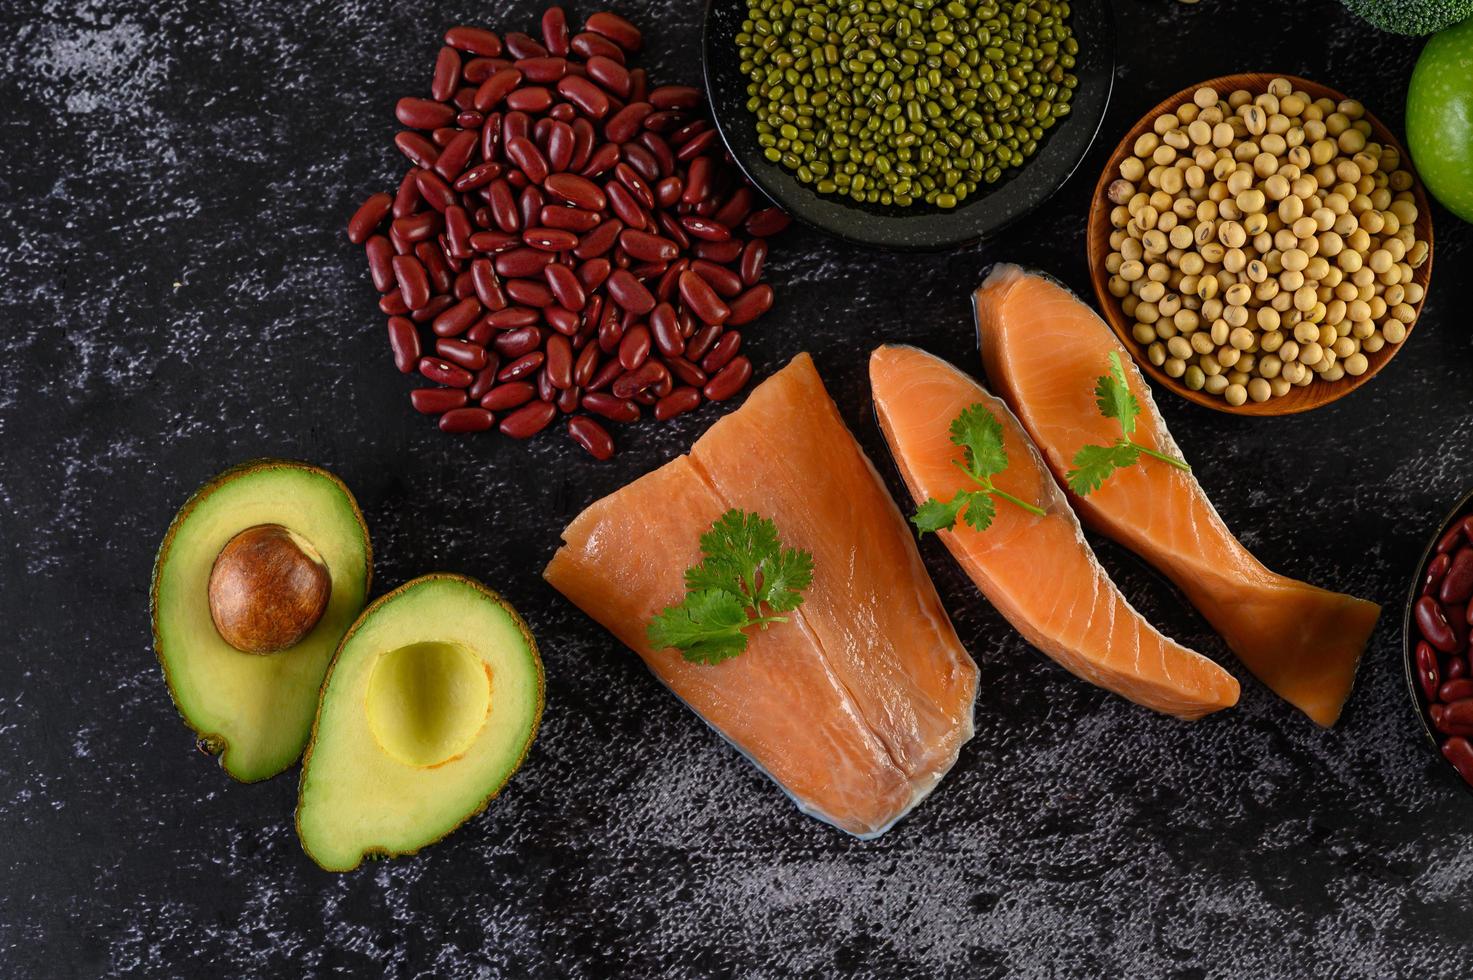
point(268, 589)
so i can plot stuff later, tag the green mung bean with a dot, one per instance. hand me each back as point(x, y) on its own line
point(906, 101)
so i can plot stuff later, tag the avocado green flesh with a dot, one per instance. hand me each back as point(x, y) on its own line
point(257, 708)
point(429, 708)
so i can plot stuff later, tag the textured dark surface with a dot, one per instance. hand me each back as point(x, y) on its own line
point(179, 297)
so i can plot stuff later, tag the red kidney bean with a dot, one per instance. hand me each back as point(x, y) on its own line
point(509, 395)
point(566, 288)
point(1429, 671)
point(652, 156)
point(485, 378)
point(611, 408)
point(702, 341)
point(567, 400)
point(625, 124)
point(529, 98)
point(560, 146)
point(457, 319)
point(623, 204)
point(730, 380)
point(474, 40)
point(432, 309)
point(591, 436)
point(488, 286)
point(529, 292)
point(591, 100)
point(392, 304)
point(416, 227)
point(616, 29)
point(665, 330)
point(368, 217)
point(564, 321)
point(420, 151)
point(550, 239)
point(518, 341)
point(524, 153)
point(694, 147)
point(521, 367)
point(580, 192)
point(735, 209)
point(423, 113)
point(545, 391)
point(521, 263)
point(433, 401)
point(750, 305)
point(542, 70)
point(1457, 582)
point(511, 317)
point(456, 154)
point(404, 342)
point(1455, 690)
point(1433, 623)
point(1456, 667)
point(406, 199)
point(478, 176)
point(461, 354)
point(568, 218)
point(675, 97)
point(599, 240)
point(413, 283)
point(520, 45)
point(767, 222)
point(586, 365)
point(494, 90)
point(458, 232)
point(724, 281)
point(441, 278)
point(678, 402)
point(593, 272)
point(559, 361)
point(477, 70)
point(466, 420)
point(685, 372)
point(628, 292)
point(610, 75)
point(528, 420)
point(447, 74)
point(651, 375)
point(754, 257)
point(645, 247)
point(591, 45)
point(1457, 717)
point(380, 263)
point(530, 203)
point(702, 299)
point(495, 242)
point(503, 206)
point(1459, 751)
point(634, 347)
point(555, 31)
point(606, 375)
point(491, 135)
point(442, 136)
point(445, 373)
point(645, 164)
point(721, 253)
point(705, 229)
point(722, 352)
point(668, 191)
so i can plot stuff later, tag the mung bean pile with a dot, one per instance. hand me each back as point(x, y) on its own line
point(894, 102)
point(1262, 241)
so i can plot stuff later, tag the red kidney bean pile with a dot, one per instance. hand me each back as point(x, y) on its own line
point(568, 240)
point(1443, 614)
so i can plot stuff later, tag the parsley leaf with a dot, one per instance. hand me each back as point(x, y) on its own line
point(979, 434)
point(744, 579)
point(1093, 464)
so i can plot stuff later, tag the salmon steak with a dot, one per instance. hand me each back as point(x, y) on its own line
point(1043, 350)
point(1037, 570)
point(859, 704)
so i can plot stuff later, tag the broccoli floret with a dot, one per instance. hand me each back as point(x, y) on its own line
point(1414, 17)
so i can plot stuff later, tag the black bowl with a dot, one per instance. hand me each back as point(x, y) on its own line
point(919, 226)
point(1410, 637)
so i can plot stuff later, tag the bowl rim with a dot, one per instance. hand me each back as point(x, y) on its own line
point(925, 228)
point(1409, 642)
point(1097, 231)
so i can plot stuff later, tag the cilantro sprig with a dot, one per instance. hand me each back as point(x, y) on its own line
point(978, 432)
point(1093, 464)
point(746, 578)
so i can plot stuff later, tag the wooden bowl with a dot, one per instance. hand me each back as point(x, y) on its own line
point(1297, 399)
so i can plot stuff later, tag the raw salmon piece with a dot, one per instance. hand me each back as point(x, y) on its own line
point(860, 703)
point(788, 455)
point(1043, 350)
point(1038, 571)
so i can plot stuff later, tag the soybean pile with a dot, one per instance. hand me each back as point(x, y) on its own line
point(894, 102)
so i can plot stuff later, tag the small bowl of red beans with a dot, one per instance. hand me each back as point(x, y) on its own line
point(1439, 662)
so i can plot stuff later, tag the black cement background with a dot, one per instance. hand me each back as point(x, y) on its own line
point(179, 296)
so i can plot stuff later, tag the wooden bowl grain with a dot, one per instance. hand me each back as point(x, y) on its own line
point(1298, 399)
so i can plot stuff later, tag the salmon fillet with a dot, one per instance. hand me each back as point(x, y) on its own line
point(1038, 571)
point(1043, 350)
point(860, 703)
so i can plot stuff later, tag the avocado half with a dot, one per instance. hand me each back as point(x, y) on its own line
point(254, 710)
point(430, 706)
